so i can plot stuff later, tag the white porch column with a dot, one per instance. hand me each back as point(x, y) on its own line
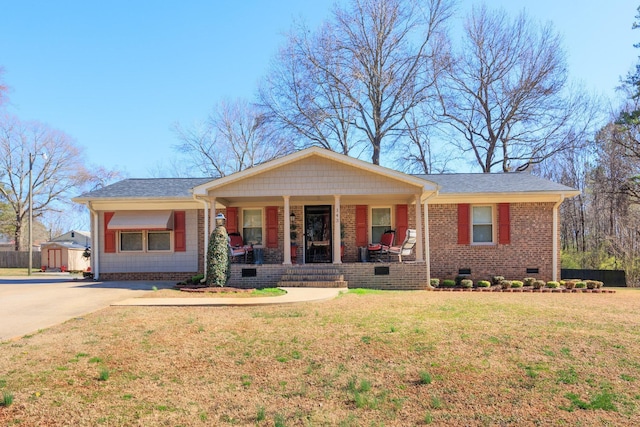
point(336, 230)
point(205, 224)
point(287, 232)
point(212, 215)
point(427, 249)
point(419, 247)
point(209, 224)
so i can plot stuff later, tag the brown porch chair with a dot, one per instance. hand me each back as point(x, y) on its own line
point(376, 250)
point(406, 248)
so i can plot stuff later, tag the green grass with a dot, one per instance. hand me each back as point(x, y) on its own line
point(268, 292)
point(7, 399)
point(103, 375)
point(451, 359)
point(603, 400)
point(13, 271)
point(425, 377)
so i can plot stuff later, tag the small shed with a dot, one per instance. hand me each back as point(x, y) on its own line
point(67, 252)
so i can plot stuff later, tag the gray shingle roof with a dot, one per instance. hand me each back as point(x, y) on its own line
point(151, 188)
point(463, 183)
point(469, 183)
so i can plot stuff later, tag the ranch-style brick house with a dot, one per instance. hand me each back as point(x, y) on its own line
point(331, 207)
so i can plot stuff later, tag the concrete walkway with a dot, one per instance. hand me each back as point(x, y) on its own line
point(293, 295)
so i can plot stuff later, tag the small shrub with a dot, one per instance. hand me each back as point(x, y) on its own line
point(552, 285)
point(506, 284)
point(197, 278)
point(496, 280)
point(483, 284)
point(539, 284)
point(569, 284)
point(460, 278)
point(562, 283)
point(581, 285)
point(591, 284)
point(599, 284)
point(466, 283)
point(516, 284)
point(448, 283)
point(434, 282)
point(528, 281)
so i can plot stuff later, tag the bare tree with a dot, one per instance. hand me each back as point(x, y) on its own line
point(505, 92)
point(3, 88)
point(419, 153)
point(21, 144)
point(235, 137)
point(367, 67)
point(299, 99)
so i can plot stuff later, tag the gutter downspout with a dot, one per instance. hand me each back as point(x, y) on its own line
point(427, 246)
point(555, 240)
point(95, 243)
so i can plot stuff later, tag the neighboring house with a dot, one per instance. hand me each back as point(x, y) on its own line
point(6, 244)
point(66, 252)
point(475, 224)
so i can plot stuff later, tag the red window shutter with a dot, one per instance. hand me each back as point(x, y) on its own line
point(232, 220)
point(464, 224)
point(362, 238)
point(272, 226)
point(402, 222)
point(179, 231)
point(504, 224)
point(109, 235)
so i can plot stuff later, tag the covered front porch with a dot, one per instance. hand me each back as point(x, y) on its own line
point(319, 207)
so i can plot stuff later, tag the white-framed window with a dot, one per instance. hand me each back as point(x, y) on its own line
point(252, 226)
point(482, 228)
point(380, 222)
point(131, 241)
point(158, 241)
point(145, 241)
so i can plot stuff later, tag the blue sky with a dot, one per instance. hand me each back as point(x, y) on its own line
point(117, 75)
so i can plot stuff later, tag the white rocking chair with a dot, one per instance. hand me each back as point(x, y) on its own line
point(407, 246)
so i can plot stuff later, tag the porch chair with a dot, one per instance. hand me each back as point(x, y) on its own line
point(376, 250)
point(406, 248)
point(237, 247)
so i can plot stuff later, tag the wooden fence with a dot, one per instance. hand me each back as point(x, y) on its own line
point(609, 277)
point(12, 259)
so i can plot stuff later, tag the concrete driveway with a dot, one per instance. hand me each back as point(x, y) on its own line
point(29, 304)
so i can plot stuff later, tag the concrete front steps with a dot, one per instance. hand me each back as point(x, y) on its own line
point(312, 276)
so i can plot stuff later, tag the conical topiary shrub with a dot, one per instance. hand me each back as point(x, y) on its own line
point(218, 260)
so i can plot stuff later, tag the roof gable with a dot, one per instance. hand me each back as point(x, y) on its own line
point(315, 171)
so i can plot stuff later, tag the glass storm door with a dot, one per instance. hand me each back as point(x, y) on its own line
point(317, 234)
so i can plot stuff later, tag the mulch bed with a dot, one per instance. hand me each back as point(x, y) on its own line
point(526, 289)
point(217, 290)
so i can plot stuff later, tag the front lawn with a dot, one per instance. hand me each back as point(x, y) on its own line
point(365, 358)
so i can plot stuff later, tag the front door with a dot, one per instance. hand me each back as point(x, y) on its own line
point(317, 234)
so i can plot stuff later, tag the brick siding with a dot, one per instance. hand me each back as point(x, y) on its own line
point(530, 247)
